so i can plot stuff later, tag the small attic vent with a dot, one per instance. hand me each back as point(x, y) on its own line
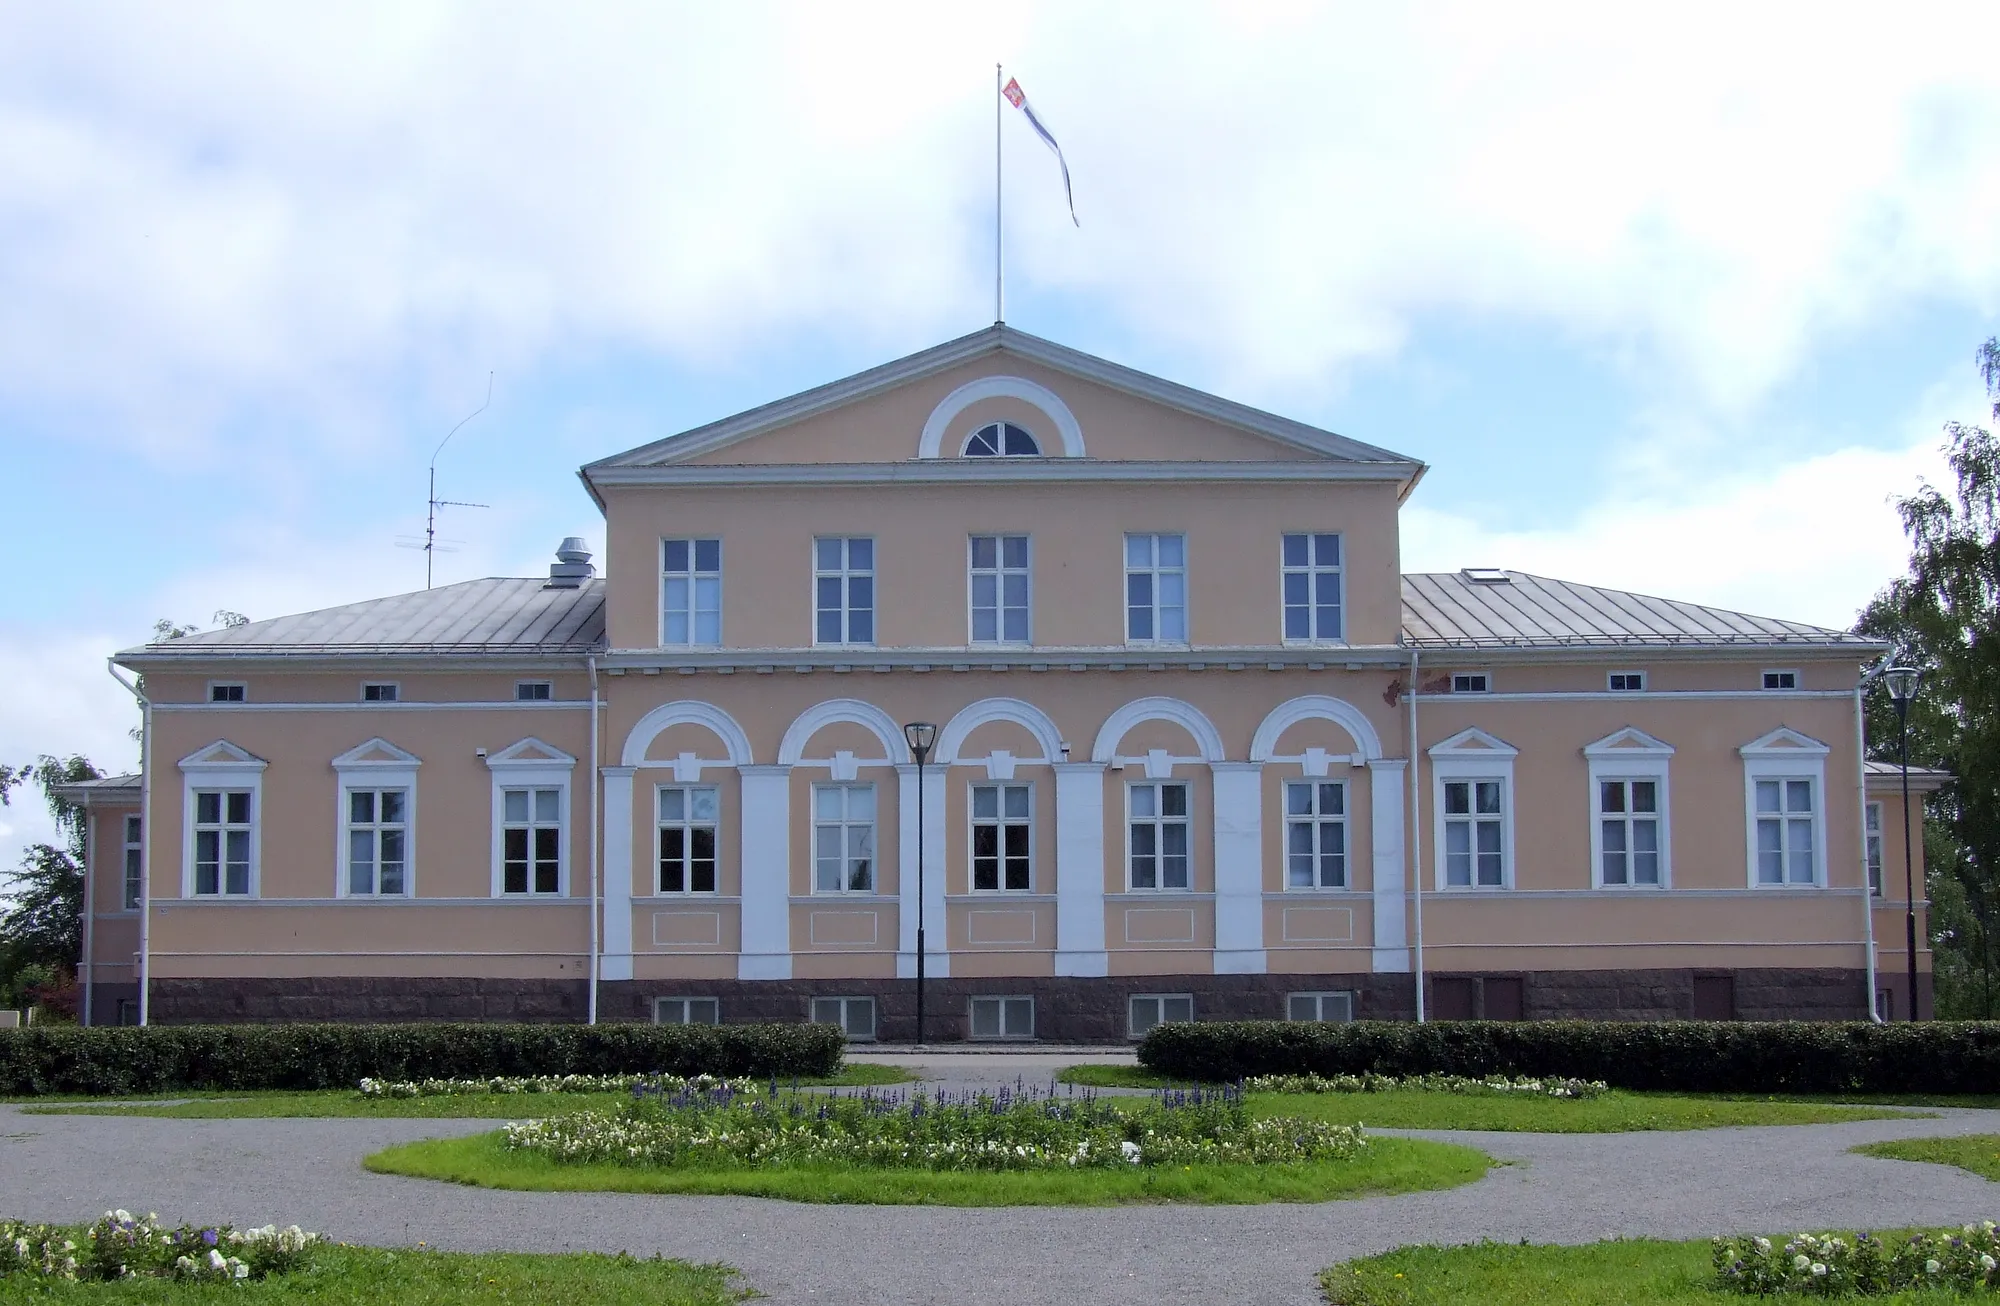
point(572, 565)
point(1486, 576)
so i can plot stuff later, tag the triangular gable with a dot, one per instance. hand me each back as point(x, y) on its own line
point(222, 756)
point(531, 752)
point(1783, 741)
point(1473, 742)
point(376, 752)
point(1628, 742)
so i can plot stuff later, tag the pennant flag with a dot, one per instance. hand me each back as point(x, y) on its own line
point(1019, 99)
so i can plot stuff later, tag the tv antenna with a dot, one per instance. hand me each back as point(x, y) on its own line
point(430, 544)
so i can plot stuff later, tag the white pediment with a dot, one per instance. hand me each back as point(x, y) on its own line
point(1784, 741)
point(222, 756)
point(376, 752)
point(531, 752)
point(1629, 742)
point(1473, 742)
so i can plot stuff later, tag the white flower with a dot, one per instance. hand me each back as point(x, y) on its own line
point(1818, 1269)
point(1130, 1151)
point(1932, 1267)
point(1801, 1262)
point(1987, 1263)
point(1764, 1245)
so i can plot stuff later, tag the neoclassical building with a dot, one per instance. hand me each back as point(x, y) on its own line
point(1202, 750)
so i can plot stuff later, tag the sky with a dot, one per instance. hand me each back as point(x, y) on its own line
point(1674, 301)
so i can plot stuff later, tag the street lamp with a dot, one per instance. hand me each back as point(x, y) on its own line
point(1902, 685)
point(920, 735)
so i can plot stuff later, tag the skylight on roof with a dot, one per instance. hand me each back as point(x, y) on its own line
point(1486, 576)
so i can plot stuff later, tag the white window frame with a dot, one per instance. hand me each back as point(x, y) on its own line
point(523, 688)
point(377, 826)
point(974, 822)
point(1472, 755)
point(848, 1005)
point(1871, 834)
point(1160, 822)
point(1785, 754)
point(693, 574)
point(846, 824)
point(132, 887)
point(1000, 441)
point(1312, 570)
point(1635, 682)
point(217, 686)
point(1002, 1006)
point(1630, 754)
point(1316, 819)
point(376, 764)
point(685, 1007)
point(1159, 1001)
point(224, 767)
point(1155, 571)
point(531, 764)
point(1342, 1000)
point(687, 825)
point(1000, 571)
point(845, 575)
point(1764, 677)
point(1484, 679)
point(394, 688)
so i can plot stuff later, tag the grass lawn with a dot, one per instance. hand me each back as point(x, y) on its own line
point(1386, 1165)
point(346, 1102)
point(366, 1276)
point(1979, 1153)
point(1639, 1272)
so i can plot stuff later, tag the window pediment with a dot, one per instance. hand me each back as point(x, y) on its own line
point(1629, 742)
point(376, 752)
point(1473, 742)
point(530, 752)
point(222, 756)
point(1784, 741)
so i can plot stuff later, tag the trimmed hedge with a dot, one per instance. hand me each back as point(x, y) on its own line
point(1685, 1055)
point(169, 1058)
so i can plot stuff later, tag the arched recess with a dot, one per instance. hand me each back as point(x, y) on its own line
point(867, 715)
point(973, 715)
point(1002, 387)
point(687, 711)
point(1187, 715)
point(1307, 707)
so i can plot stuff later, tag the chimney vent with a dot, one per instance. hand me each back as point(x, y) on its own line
point(572, 565)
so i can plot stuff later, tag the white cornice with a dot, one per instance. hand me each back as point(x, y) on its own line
point(990, 471)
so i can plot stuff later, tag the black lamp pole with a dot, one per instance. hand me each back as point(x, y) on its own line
point(1902, 683)
point(920, 735)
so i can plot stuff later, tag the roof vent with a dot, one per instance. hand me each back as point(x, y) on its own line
point(572, 565)
point(1486, 576)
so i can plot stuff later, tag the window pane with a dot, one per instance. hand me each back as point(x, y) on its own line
point(1017, 802)
point(1171, 547)
point(1176, 1009)
point(1138, 623)
point(1611, 797)
point(360, 862)
point(1332, 800)
point(1295, 550)
point(1767, 795)
point(707, 628)
point(516, 803)
point(1770, 853)
point(547, 845)
point(701, 804)
point(1298, 799)
point(1457, 798)
point(1644, 795)
point(985, 802)
point(826, 1011)
point(1173, 800)
point(673, 804)
point(1646, 836)
point(708, 555)
point(860, 857)
point(392, 806)
point(1326, 589)
point(1487, 793)
point(239, 809)
point(1298, 623)
point(703, 1011)
point(1302, 1006)
point(1298, 590)
point(1173, 624)
point(672, 870)
point(361, 807)
point(861, 555)
point(1798, 795)
point(548, 805)
point(1326, 550)
point(1015, 627)
point(827, 554)
point(1614, 836)
point(860, 593)
point(1138, 550)
point(676, 555)
point(676, 627)
point(1014, 550)
point(985, 1018)
point(1645, 868)
point(861, 627)
point(861, 803)
point(1014, 589)
point(985, 551)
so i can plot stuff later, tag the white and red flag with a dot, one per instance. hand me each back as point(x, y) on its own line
point(1019, 99)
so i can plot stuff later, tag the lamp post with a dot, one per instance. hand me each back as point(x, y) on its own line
point(920, 735)
point(1902, 684)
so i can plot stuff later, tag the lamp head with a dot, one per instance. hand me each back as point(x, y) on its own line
point(1902, 684)
point(920, 736)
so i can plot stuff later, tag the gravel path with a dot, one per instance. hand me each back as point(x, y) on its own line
point(1558, 1188)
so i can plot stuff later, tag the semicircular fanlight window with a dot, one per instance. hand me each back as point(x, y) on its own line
point(1002, 440)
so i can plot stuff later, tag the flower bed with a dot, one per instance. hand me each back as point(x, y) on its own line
point(1810, 1265)
point(722, 1129)
point(1369, 1082)
point(120, 1246)
point(506, 1084)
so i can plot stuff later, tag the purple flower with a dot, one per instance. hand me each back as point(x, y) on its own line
point(210, 1237)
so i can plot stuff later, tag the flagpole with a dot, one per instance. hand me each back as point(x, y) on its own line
point(999, 259)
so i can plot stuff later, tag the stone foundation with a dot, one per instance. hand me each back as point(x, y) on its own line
point(345, 998)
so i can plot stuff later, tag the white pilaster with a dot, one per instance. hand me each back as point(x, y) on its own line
point(1385, 819)
point(1080, 869)
point(937, 948)
point(616, 963)
point(767, 873)
point(1239, 868)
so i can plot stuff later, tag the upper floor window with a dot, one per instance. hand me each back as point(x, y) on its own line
point(534, 691)
point(1785, 831)
point(843, 591)
point(999, 589)
point(380, 692)
point(1002, 834)
point(687, 838)
point(1781, 680)
point(223, 836)
point(1628, 831)
point(691, 596)
point(1156, 589)
point(1316, 834)
point(1311, 579)
point(135, 864)
point(1002, 440)
point(1627, 682)
point(1157, 851)
point(1470, 682)
point(378, 830)
point(1474, 834)
point(844, 838)
point(227, 691)
point(531, 840)
point(1874, 848)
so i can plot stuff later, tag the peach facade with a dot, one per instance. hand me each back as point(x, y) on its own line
point(1164, 782)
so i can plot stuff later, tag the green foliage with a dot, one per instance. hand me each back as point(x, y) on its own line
point(1977, 1153)
point(1683, 1055)
point(108, 1060)
point(41, 927)
point(1943, 618)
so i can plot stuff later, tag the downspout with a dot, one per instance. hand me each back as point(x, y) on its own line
point(88, 962)
point(1867, 894)
point(596, 868)
point(1416, 835)
point(145, 842)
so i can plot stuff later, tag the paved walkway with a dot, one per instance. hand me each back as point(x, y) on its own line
point(1558, 1188)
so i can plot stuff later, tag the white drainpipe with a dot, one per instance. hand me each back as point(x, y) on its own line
point(1867, 895)
point(145, 843)
point(596, 867)
point(1417, 835)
